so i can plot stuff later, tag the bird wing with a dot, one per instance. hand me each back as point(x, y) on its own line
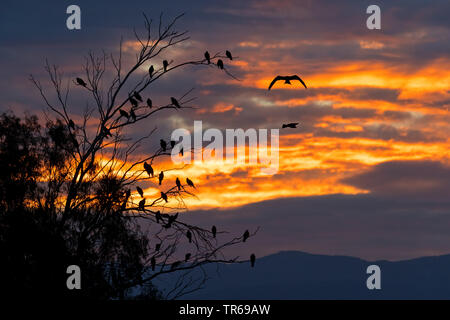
point(277, 78)
point(296, 77)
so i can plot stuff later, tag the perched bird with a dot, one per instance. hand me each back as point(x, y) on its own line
point(71, 124)
point(287, 80)
point(189, 236)
point(133, 115)
point(140, 191)
point(220, 64)
point(177, 181)
point(163, 144)
point(133, 102)
point(153, 263)
point(172, 144)
point(190, 183)
point(165, 65)
point(290, 125)
point(158, 216)
point(187, 257)
point(158, 246)
point(164, 196)
point(150, 71)
point(161, 177)
point(137, 96)
point(246, 235)
point(252, 260)
point(149, 169)
point(175, 265)
point(175, 102)
point(172, 218)
point(142, 205)
point(81, 82)
point(149, 103)
point(214, 231)
point(207, 57)
point(124, 114)
point(228, 54)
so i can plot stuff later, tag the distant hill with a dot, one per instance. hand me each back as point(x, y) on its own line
point(298, 275)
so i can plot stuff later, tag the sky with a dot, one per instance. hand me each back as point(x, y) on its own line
point(366, 173)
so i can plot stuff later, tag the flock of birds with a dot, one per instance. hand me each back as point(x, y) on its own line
point(134, 100)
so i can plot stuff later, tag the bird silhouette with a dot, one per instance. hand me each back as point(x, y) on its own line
point(150, 71)
point(228, 54)
point(190, 183)
point(71, 124)
point(153, 263)
point(246, 235)
point(149, 103)
point(161, 177)
point(252, 260)
point(172, 144)
point(220, 64)
point(165, 64)
point(158, 216)
point(207, 57)
point(164, 196)
point(133, 115)
point(287, 80)
point(149, 169)
point(124, 114)
point(189, 236)
point(290, 125)
point(177, 181)
point(214, 231)
point(187, 257)
point(142, 205)
point(137, 96)
point(175, 102)
point(133, 102)
point(163, 144)
point(81, 82)
point(140, 191)
point(158, 246)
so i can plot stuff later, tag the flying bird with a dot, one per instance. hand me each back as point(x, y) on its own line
point(287, 80)
point(175, 102)
point(150, 71)
point(290, 125)
point(140, 191)
point(165, 64)
point(149, 169)
point(142, 205)
point(163, 144)
point(189, 236)
point(161, 177)
point(81, 82)
point(187, 257)
point(177, 181)
point(214, 231)
point(137, 96)
point(252, 260)
point(190, 183)
point(228, 54)
point(164, 196)
point(220, 64)
point(207, 57)
point(246, 235)
point(149, 103)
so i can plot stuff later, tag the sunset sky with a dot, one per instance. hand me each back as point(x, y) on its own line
point(366, 173)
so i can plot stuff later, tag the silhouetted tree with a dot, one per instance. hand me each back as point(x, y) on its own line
point(67, 190)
